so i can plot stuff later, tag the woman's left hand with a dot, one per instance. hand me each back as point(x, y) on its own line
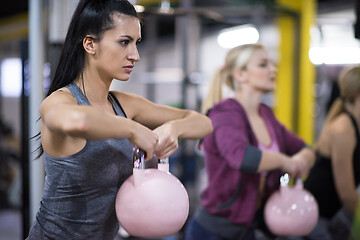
point(168, 140)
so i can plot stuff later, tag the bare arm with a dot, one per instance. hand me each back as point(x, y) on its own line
point(274, 160)
point(342, 148)
point(168, 123)
point(297, 165)
point(191, 126)
point(63, 117)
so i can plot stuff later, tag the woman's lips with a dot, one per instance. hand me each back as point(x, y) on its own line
point(128, 69)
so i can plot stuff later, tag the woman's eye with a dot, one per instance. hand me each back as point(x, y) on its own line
point(124, 42)
point(263, 65)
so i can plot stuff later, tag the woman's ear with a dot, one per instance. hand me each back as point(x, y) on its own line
point(89, 44)
point(239, 75)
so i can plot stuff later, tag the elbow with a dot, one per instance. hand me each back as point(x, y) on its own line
point(210, 127)
point(77, 124)
point(201, 123)
point(207, 124)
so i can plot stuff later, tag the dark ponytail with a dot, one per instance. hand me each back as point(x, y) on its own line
point(91, 17)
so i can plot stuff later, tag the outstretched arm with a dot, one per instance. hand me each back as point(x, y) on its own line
point(63, 120)
point(191, 125)
point(297, 165)
point(168, 123)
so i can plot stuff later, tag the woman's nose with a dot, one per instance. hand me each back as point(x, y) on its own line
point(273, 67)
point(134, 55)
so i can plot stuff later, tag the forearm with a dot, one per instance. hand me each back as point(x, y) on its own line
point(272, 160)
point(193, 126)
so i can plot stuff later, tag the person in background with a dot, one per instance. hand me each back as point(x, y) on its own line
point(336, 174)
point(247, 152)
point(88, 132)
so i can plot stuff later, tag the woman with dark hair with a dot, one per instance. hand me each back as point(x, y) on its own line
point(88, 132)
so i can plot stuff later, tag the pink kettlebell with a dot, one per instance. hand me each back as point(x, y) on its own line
point(291, 211)
point(151, 202)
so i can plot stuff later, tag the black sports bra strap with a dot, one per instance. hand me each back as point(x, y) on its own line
point(355, 126)
point(112, 96)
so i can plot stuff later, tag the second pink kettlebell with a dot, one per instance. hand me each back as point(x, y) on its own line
point(291, 211)
point(151, 202)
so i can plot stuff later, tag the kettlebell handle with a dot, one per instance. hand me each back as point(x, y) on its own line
point(139, 159)
point(163, 161)
point(285, 179)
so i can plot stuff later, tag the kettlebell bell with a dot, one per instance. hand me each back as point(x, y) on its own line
point(151, 202)
point(291, 211)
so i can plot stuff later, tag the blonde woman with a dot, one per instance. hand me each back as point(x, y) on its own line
point(336, 173)
point(247, 152)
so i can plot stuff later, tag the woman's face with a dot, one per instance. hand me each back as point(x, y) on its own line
point(117, 51)
point(260, 72)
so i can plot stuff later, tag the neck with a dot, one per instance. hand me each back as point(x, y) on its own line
point(95, 88)
point(249, 100)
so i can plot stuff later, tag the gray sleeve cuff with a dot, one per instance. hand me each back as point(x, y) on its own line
point(251, 160)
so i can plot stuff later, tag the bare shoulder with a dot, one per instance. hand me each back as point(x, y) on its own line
point(61, 96)
point(341, 125)
point(132, 104)
point(127, 97)
point(341, 131)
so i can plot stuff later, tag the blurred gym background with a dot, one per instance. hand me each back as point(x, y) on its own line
point(184, 41)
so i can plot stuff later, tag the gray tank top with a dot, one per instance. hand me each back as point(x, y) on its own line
point(80, 190)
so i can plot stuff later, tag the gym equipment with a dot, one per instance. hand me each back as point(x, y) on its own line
point(291, 211)
point(151, 202)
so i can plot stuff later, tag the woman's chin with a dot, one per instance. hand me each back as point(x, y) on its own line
point(123, 79)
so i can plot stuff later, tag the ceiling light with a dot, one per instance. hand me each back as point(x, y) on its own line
point(235, 36)
point(334, 55)
point(165, 7)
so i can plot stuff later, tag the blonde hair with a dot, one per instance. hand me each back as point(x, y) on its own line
point(237, 57)
point(349, 84)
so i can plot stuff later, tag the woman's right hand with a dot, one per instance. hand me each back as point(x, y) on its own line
point(145, 139)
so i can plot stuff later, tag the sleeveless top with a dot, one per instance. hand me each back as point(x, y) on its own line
point(80, 190)
point(320, 181)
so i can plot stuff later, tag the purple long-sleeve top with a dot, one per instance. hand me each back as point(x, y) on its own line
point(232, 159)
